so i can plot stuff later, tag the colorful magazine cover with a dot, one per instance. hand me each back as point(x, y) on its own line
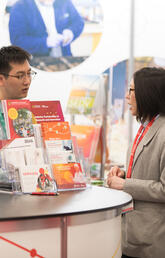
point(18, 118)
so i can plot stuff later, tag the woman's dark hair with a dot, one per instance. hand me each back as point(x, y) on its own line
point(149, 92)
point(12, 54)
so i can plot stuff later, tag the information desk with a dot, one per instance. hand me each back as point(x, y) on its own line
point(74, 224)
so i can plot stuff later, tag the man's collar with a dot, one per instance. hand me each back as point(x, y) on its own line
point(38, 2)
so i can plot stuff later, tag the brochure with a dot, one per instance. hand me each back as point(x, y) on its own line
point(69, 176)
point(36, 179)
point(18, 118)
point(87, 139)
point(83, 93)
point(46, 111)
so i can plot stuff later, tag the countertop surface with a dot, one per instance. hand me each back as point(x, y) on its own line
point(91, 199)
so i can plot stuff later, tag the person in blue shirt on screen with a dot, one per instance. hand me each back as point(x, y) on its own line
point(45, 27)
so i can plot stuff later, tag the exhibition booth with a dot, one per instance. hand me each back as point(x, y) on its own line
point(72, 217)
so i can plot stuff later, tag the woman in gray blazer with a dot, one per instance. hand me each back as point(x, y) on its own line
point(143, 228)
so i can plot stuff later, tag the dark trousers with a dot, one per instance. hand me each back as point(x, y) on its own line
point(125, 256)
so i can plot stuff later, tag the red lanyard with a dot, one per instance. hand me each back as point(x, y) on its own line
point(136, 143)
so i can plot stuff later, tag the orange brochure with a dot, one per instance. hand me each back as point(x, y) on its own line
point(69, 176)
point(87, 138)
point(56, 130)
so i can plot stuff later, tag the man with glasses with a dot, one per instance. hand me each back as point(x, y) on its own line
point(15, 73)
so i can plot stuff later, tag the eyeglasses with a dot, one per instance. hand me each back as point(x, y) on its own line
point(129, 91)
point(23, 76)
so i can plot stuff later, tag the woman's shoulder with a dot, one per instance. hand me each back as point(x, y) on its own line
point(160, 124)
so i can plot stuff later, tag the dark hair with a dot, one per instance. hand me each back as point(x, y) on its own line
point(149, 92)
point(12, 54)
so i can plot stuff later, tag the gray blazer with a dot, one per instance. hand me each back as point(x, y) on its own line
point(143, 229)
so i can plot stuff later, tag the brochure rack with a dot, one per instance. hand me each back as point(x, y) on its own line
point(38, 158)
point(87, 106)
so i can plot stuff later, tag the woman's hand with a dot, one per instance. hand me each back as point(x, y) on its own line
point(115, 182)
point(116, 171)
point(115, 178)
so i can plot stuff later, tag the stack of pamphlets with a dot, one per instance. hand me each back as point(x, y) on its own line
point(66, 166)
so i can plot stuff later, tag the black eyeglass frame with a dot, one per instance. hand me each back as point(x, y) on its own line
point(31, 75)
point(129, 91)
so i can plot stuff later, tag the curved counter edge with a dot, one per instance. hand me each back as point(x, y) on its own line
point(90, 200)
